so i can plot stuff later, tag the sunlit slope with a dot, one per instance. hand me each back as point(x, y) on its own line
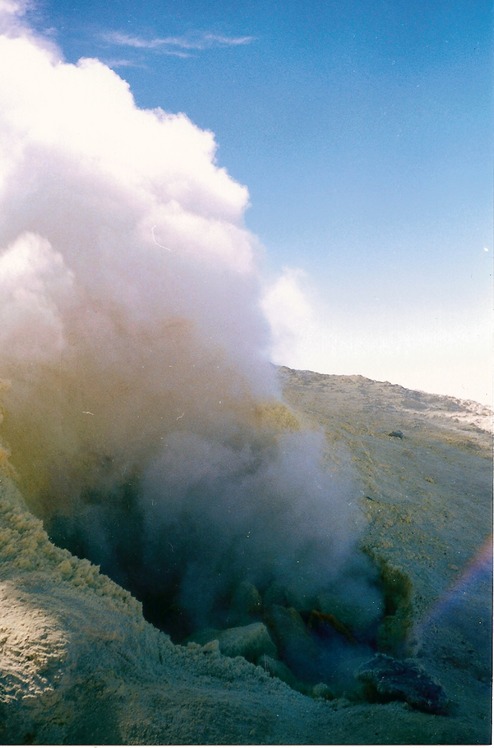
point(425, 463)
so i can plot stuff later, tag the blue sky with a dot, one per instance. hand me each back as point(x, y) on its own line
point(363, 133)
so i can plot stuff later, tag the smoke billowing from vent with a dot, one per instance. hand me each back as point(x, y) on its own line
point(143, 416)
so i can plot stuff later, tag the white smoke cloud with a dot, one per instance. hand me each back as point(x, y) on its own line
point(295, 326)
point(142, 415)
point(34, 282)
point(12, 9)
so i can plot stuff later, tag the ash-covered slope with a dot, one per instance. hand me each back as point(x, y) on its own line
point(79, 664)
point(425, 463)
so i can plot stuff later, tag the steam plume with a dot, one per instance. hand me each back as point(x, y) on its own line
point(143, 416)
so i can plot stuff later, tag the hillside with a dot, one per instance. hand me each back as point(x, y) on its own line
point(79, 664)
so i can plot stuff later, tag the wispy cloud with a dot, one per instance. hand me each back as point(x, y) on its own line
point(122, 63)
point(178, 46)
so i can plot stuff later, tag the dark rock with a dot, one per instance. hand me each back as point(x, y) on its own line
point(279, 670)
point(397, 434)
point(250, 641)
point(388, 679)
point(246, 602)
point(296, 646)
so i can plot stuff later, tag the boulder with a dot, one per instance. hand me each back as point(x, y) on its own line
point(387, 679)
point(251, 642)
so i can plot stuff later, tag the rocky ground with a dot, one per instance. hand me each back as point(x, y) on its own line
point(79, 664)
